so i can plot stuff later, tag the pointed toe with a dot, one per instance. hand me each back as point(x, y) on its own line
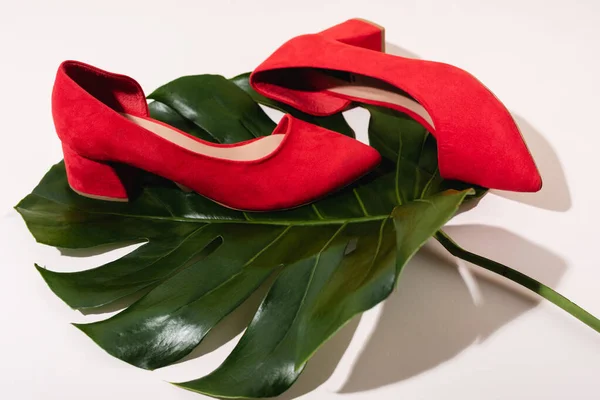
point(102, 120)
point(478, 140)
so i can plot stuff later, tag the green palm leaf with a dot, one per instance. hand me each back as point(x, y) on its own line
point(330, 260)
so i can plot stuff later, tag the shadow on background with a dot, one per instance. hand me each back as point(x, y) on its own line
point(555, 193)
point(323, 364)
point(232, 325)
point(391, 48)
point(433, 316)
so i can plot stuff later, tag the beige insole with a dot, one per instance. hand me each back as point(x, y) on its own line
point(362, 87)
point(246, 152)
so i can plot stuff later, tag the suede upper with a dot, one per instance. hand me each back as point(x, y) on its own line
point(309, 163)
point(478, 140)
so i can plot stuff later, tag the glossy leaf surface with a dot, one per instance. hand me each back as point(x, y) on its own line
point(332, 259)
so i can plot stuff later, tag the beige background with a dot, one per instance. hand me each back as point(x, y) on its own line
point(446, 333)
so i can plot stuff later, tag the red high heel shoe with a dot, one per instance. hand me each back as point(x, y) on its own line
point(102, 118)
point(322, 74)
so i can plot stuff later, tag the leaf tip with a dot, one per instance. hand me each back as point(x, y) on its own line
point(186, 386)
point(79, 326)
point(87, 329)
point(44, 272)
point(242, 76)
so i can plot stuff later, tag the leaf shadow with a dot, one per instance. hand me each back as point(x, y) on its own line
point(434, 315)
point(231, 326)
point(319, 368)
point(555, 194)
point(323, 364)
point(117, 305)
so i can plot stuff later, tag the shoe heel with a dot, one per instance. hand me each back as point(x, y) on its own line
point(358, 32)
point(93, 179)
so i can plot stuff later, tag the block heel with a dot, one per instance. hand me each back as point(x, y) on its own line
point(100, 116)
point(94, 179)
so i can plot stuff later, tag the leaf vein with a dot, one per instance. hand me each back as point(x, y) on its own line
point(399, 198)
point(429, 182)
point(316, 210)
point(360, 202)
point(331, 221)
point(376, 254)
point(232, 277)
point(310, 279)
point(159, 201)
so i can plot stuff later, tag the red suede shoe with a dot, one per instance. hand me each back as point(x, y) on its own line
point(102, 118)
point(323, 73)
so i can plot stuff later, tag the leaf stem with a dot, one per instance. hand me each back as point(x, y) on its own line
point(520, 278)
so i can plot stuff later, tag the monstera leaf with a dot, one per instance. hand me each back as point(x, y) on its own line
point(328, 261)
